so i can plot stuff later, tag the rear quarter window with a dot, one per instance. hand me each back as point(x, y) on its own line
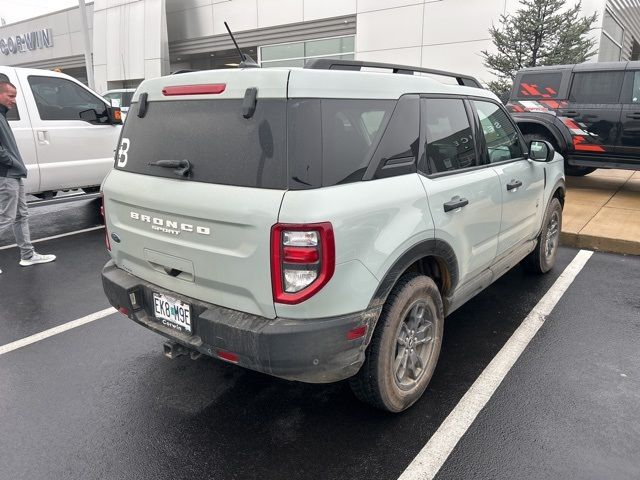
point(331, 141)
point(538, 86)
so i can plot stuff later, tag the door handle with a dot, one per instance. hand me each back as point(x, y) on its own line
point(455, 203)
point(635, 116)
point(569, 114)
point(513, 184)
point(43, 137)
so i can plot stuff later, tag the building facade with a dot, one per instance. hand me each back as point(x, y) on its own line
point(136, 39)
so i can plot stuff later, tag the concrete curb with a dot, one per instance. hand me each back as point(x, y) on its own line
point(602, 212)
point(590, 242)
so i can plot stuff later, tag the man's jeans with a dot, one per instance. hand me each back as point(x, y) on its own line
point(14, 212)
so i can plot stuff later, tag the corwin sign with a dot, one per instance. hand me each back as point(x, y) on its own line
point(28, 41)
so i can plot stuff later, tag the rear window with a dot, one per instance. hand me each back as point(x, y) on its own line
point(538, 85)
point(221, 145)
point(296, 144)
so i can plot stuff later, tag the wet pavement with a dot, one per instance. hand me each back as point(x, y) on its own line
point(101, 401)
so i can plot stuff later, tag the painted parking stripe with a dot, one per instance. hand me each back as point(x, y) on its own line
point(433, 455)
point(9, 347)
point(76, 232)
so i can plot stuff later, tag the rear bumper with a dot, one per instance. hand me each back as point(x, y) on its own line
point(309, 350)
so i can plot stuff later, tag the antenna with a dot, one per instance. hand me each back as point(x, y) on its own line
point(246, 60)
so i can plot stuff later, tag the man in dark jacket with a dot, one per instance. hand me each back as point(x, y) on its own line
point(13, 205)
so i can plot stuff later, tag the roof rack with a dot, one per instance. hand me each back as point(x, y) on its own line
point(357, 65)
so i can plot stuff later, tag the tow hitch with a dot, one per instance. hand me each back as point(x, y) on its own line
point(175, 349)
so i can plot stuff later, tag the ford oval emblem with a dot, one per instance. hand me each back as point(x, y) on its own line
point(115, 237)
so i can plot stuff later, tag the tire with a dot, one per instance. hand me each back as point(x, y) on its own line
point(570, 170)
point(411, 321)
point(543, 257)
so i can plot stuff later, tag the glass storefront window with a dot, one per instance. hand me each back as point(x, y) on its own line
point(330, 46)
point(298, 53)
point(277, 52)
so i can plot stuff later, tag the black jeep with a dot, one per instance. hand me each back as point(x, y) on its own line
point(590, 112)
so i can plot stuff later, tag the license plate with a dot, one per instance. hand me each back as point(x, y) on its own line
point(172, 313)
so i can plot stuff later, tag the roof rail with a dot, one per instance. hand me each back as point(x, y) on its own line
point(357, 65)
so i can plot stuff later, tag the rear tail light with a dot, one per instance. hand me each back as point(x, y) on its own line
point(302, 260)
point(103, 213)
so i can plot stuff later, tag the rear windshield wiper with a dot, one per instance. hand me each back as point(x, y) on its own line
point(181, 167)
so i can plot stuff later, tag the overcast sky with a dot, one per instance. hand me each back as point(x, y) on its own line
point(16, 10)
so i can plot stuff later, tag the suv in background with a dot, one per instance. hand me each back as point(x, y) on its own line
point(318, 224)
point(590, 112)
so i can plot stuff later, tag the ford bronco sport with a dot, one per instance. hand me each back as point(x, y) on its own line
point(318, 224)
point(589, 112)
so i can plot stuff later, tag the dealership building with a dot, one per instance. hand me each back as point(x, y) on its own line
point(131, 40)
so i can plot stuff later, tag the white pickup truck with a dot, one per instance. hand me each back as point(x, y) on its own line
point(66, 133)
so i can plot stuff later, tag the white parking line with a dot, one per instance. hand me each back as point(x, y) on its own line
point(433, 455)
point(9, 347)
point(57, 236)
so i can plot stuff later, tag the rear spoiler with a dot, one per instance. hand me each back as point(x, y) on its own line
point(357, 65)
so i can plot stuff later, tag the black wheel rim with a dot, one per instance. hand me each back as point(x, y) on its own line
point(413, 345)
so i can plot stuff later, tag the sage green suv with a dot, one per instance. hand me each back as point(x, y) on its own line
point(318, 224)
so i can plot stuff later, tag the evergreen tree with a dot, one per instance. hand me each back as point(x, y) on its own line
point(541, 32)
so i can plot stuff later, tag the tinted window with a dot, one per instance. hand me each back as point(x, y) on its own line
point(538, 85)
point(635, 93)
point(398, 149)
point(13, 113)
point(331, 141)
point(62, 99)
point(221, 145)
point(502, 140)
point(596, 87)
point(350, 132)
point(448, 135)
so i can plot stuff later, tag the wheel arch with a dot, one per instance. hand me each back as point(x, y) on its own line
point(559, 191)
point(537, 126)
point(434, 258)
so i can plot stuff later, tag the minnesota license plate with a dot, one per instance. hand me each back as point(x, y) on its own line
point(172, 313)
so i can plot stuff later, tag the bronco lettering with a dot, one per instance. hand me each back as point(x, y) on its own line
point(170, 226)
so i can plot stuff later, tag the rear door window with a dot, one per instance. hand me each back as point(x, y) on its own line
point(221, 145)
point(596, 87)
point(538, 86)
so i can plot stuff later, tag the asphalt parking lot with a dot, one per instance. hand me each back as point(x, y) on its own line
point(101, 401)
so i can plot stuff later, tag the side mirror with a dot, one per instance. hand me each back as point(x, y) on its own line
point(541, 151)
point(115, 115)
point(90, 115)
